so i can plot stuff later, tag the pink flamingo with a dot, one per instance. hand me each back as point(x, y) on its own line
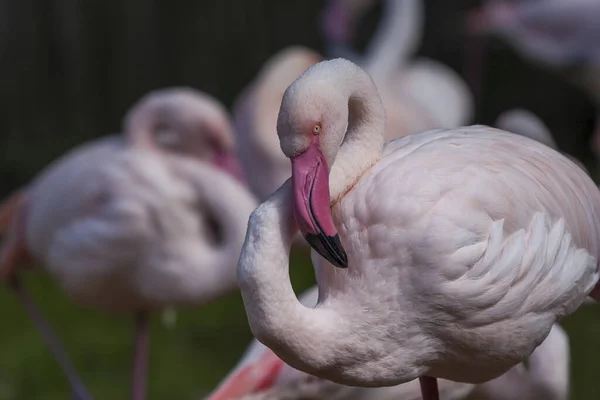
point(554, 33)
point(130, 224)
point(450, 243)
point(262, 375)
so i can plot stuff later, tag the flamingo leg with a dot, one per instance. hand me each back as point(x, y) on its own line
point(78, 389)
point(140, 356)
point(429, 388)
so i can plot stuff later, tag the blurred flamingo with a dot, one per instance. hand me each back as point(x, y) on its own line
point(417, 94)
point(450, 243)
point(129, 224)
point(554, 33)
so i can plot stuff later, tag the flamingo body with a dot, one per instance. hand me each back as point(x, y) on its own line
point(469, 249)
point(458, 249)
point(119, 230)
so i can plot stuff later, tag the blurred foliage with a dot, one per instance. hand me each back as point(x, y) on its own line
point(71, 69)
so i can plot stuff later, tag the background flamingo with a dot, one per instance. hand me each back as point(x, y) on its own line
point(417, 94)
point(142, 221)
point(443, 271)
point(555, 33)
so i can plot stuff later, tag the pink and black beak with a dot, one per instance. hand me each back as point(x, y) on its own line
point(312, 210)
point(251, 378)
point(227, 161)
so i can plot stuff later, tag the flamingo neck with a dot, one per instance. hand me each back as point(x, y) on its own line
point(398, 35)
point(363, 142)
point(302, 337)
point(225, 211)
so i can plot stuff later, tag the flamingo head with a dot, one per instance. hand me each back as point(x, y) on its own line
point(186, 122)
point(311, 125)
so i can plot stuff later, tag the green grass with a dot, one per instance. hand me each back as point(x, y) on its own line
point(187, 360)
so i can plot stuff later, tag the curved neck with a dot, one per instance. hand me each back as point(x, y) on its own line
point(397, 37)
point(227, 204)
point(363, 142)
point(276, 316)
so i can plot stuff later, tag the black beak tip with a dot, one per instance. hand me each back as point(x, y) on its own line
point(329, 247)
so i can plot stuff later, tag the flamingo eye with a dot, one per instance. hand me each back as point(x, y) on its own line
point(317, 129)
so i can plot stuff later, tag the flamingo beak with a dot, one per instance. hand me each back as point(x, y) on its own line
point(227, 161)
point(312, 212)
point(254, 377)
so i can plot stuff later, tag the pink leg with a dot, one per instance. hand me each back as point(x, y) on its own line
point(140, 356)
point(429, 388)
point(79, 392)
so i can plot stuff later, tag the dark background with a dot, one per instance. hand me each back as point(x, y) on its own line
point(69, 71)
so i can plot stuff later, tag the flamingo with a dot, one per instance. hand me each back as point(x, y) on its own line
point(130, 224)
point(555, 33)
point(417, 94)
point(457, 249)
point(262, 375)
point(260, 368)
